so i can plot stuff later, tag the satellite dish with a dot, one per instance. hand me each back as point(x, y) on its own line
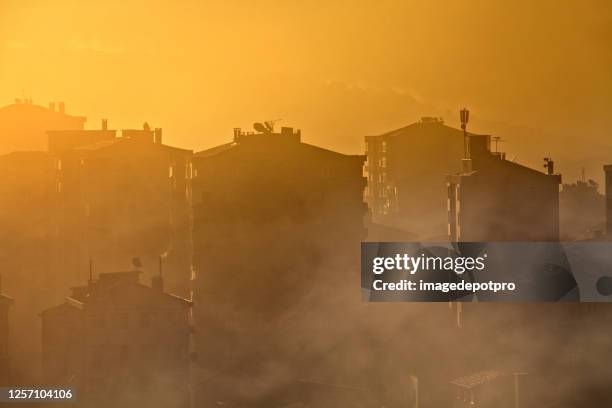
point(260, 127)
point(269, 125)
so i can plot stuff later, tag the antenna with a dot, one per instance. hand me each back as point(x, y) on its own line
point(549, 165)
point(90, 270)
point(269, 124)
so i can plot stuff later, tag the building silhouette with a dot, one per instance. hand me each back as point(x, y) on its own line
point(582, 210)
point(406, 171)
point(119, 343)
point(495, 199)
point(608, 187)
point(23, 124)
point(275, 219)
point(26, 251)
point(5, 304)
point(117, 198)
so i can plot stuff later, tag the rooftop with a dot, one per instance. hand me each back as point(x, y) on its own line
point(476, 379)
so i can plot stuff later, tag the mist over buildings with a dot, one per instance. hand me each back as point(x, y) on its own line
point(533, 71)
point(274, 219)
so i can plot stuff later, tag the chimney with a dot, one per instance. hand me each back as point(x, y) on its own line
point(479, 145)
point(104, 124)
point(52, 106)
point(549, 165)
point(157, 136)
point(237, 134)
point(286, 131)
point(61, 107)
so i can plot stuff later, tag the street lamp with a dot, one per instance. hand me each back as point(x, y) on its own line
point(465, 118)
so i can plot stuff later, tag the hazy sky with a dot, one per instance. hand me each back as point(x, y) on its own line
point(538, 73)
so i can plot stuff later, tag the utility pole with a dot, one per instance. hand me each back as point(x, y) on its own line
point(415, 386)
point(516, 388)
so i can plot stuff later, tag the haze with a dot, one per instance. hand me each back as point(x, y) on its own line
point(536, 74)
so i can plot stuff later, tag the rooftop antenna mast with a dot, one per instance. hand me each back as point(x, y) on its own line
point(269, 124)
point(464, 115)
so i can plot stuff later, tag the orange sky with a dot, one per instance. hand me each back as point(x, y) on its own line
point(540, 75)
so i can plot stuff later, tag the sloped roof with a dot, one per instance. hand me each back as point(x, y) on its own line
point(232, 146)
point(16, 107)
point(214, 150)
point(476, 379)
point(81, 301)
point(141, 286)
point(423, 126)
point(106, 144)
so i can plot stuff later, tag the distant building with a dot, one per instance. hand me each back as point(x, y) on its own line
point(494, 199)
point(119, 198)
point(275, 220)
point(608, 171)
point(5, 304)
point(582, 210)
point(23, 124)
point(26, 252)
point(119, 343)
point(406, 170)
point(24, 194)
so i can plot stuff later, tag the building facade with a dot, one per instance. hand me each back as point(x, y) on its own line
point(495, 199)
point(406, 170)
point(23, 124)
point(608, 180)
point(5, 367)
point(275, 220)
point(121, 198)
point(119, 343)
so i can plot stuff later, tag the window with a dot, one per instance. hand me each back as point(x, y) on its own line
point(170, 171)
point(124, 353)
point(145, 319)
point(97, 322)
point(97, 356)
point(121, 321)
